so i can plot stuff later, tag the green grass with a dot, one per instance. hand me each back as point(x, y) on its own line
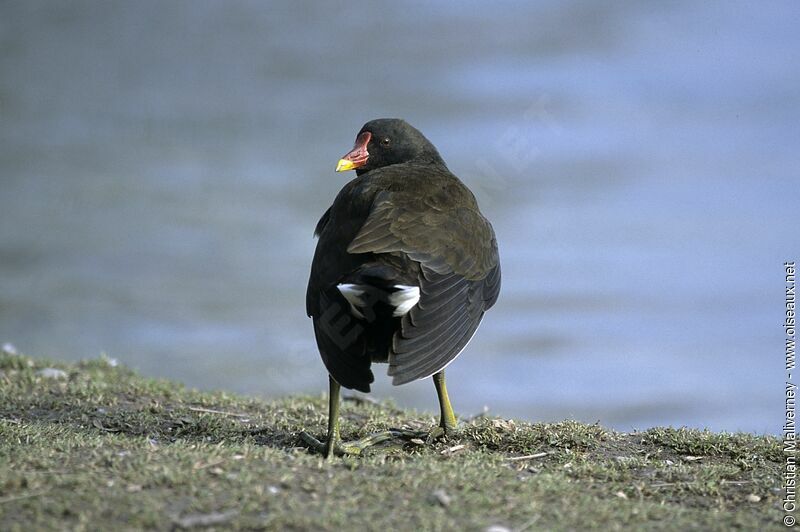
point(105, 449)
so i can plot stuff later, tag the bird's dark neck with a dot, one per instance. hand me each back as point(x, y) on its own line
point(432, 159)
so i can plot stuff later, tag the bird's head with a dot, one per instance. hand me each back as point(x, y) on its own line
point(384, 142)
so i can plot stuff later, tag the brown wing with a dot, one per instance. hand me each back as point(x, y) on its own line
point(459, 276)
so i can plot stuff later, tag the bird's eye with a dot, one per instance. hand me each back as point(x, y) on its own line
point(385, 141)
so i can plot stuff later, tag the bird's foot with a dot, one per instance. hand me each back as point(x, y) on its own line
point(440, 432)
point(437, 433)
point(357, 447)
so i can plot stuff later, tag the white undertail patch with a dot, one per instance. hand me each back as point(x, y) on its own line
point(402, 300)
point(352, 293)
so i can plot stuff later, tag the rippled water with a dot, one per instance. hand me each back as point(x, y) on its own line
point(163, 167)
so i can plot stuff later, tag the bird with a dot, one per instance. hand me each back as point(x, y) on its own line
point(404, 269)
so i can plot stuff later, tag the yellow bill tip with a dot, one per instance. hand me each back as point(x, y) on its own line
point(344, 165)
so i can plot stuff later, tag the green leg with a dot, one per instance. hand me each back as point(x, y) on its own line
point(331, 446)
point(333, 418)
point(447, 421)
point(334, 446)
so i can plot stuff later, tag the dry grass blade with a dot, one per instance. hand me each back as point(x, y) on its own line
point(527, 457)
point(23, 496)
point(212, 411)
point(453, 449)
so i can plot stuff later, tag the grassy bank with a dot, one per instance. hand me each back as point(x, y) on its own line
point(99, 447)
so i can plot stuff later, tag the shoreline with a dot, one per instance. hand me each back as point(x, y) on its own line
point(92, 445)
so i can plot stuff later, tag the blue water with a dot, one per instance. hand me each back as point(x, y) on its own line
point(162, 167)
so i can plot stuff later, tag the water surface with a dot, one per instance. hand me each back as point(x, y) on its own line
point(162, 167)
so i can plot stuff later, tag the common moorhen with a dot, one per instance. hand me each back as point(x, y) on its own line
point(404, 269)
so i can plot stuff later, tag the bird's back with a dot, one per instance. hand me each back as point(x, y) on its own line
point(399, 240)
